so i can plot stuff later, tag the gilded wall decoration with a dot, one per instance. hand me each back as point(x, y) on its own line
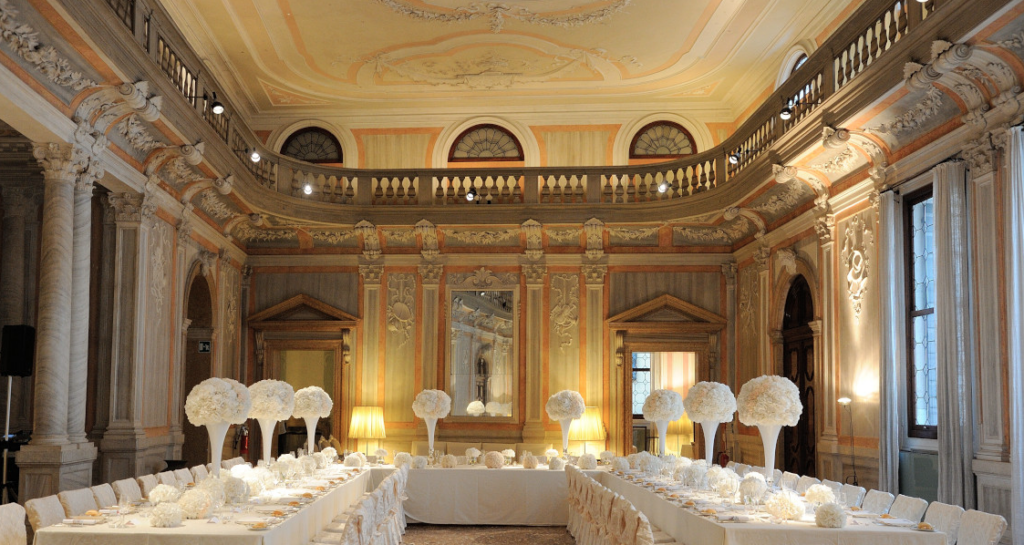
point(498, 12)
point(401, 305)
point(247, 233)
point(565, 309)
point(713, 235)
point(858, 240)
point(400, 236)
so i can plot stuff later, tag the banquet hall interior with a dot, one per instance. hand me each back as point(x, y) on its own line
point(503, 202)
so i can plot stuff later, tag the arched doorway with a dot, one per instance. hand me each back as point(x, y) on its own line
point(198, 362)
point(798, 365)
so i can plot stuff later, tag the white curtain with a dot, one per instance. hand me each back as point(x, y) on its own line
point(1014, 202)
point(890, 333)
point(954, 333)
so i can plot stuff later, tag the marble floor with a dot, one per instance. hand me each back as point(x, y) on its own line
point(429, 534)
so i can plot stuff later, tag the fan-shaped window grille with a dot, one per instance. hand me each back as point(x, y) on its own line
point(486, 143)
point(313, 145)
point(662, 139)
point(799, 62)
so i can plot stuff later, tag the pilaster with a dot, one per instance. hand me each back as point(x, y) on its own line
point(824, 335)
point(372, 276)
point(430, 278)
point(763, 263)
point(533, 429)
point(594, 277)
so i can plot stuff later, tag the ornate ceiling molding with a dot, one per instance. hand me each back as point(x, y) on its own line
point(24, 41)
point(498, 12)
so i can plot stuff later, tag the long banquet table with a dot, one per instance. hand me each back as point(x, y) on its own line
point(300, 527)
point(687, 527)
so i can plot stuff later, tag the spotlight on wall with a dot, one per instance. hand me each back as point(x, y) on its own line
point(254, 156)
point(471, 194)
point(662, 187)
point(217, 107)
point(734, 158)
point(307, 188)
point(786, 113)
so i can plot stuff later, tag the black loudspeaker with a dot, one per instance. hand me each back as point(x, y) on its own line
point(17, 350)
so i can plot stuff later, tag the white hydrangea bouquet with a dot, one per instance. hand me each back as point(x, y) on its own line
point(494, 460)
point(311, 404)
point(472, 454)
point(709, 404)
point(475, 408)
point(430, 405)
point(564, 407)
point(818, 494)
point(272, 401)
point(510, 456)
point(661, 407)
point(217, 403)
point(785, 505)
point(769, 402)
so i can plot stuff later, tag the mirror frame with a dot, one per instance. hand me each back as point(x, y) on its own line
point(484, 279)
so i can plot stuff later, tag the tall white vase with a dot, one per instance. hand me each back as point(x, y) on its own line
point(769, 438)
point(710, 429)
point(662, 435)
point(566, 423)
point(267, 426)
point(310, 433)
point(217, 432)
point(431, 425)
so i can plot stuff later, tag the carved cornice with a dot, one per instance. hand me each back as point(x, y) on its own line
point(729, 271)
point(534, 240)
point(497, 13)
point(24, 41)
point(483, 278)
point(594, 228)
point(825, 226)
point(131, 207)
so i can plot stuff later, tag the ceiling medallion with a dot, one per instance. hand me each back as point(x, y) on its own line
point(498, 12)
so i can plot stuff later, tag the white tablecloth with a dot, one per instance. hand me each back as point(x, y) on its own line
point(297, 529)
point(686, 527)
point(477, 495)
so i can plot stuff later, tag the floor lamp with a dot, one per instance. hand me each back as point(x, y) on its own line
point(588, 427)
point(847, 404)
point(367, 423)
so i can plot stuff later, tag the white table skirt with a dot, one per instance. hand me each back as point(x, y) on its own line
point(297, 529)
point(477, 495)
point(686, 527)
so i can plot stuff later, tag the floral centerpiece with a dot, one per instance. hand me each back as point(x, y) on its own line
point(402, 459)
point(785, 505)
point(331, 454)
point(311, 404)
point(430, 405)
point(472, 454)
point(769, 402)
point(529, 461)
point(753, 487)
point(494, 460)
point(236, 491)
point(830, 515)
point(727, 485)
point(510, 456)
point(620, 464)
point(587, 461)
point(556, 464)
point(607, 456)
point(272, 401)
point(214, 488)
point(475, 408)
point(217, 403)
point(381, 454)
point(164, 493)
point(419, 462)
point(661, 407)
point(818, 494)
point(709, 404)
point(449, 461)
point(196, 504)
point(565, 406)
point(551, 454)
point(166, 515)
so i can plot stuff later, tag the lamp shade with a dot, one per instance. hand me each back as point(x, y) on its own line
point(367, 423)
point(588, 427)
point(683, 426)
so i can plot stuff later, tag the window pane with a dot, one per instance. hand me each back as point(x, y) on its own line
point(925, 402)
point(641, 380)
point(923, 254)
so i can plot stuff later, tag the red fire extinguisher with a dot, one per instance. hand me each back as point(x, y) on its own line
point(242, 439)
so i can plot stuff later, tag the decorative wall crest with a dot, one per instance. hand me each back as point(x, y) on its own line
point(483, 278)
point(483, 237)
point(534, 240)
point(332, 237)
point(401, 305)
point(565, 309)
point(159, 259)
point(859, 239)
point(915, 117)
point(595, 238)
point(24, 41)
point(371, 242)
point(785, 261)
point(498, 12)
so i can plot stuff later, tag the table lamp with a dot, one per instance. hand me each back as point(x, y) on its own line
point(588, 427)
point(367, 423)
point(680, 428)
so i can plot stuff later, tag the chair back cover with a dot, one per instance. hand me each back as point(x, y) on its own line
point(104, 495)
point(804, 483)
point(977, 528)
point(127, 488)
point(877, 502)
point(43, 512)
point(147, 483)
point(199, 473)
point(837, 488)
point(909, 508)
point(741, 469)
point(854, 495)
point(76, 502)
point(789, 480)
point(184, 476)
point(167, 478)
point(946, 519)
point(12, 525)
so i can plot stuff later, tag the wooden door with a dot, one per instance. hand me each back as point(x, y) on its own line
point(799, 443)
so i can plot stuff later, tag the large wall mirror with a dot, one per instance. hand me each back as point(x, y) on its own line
point(483, 363)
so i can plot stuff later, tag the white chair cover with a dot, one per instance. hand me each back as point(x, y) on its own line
point(837, 488)
point(631, 528)
point(12, 525)
point(127, 488)
point(909, 508)
point(789, 480)
point(43, 512)
point(977, 528)
point(184, 476)
point(167, 478)
point(147, 483)
point(328, 538)
point(76, 502)
point(877, 502)
point(199, 473)
point(804, 483)
point(104, 495)
point(741, 469)
point(854, 495)
point(776, 476)
point(644, 532)
point(946, 519)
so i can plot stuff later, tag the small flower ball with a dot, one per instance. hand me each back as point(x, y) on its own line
point(419, 462)
point(830, 515)
point(556, 464)
point(494, 460)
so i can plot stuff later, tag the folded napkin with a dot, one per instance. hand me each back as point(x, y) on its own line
point(83, 522)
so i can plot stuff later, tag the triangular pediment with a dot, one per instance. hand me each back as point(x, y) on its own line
point(302, 308)
point(667, 309)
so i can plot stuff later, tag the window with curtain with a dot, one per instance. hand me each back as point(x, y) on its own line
point(922, 347)
point(642, 381)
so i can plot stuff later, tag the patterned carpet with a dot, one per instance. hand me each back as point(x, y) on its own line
point(429, 534)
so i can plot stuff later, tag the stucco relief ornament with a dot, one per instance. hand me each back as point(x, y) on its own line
point(400, 315)
point(24, 41)
point(498, 12)
point(916, 116)
point(858, 240)
point(566, 310)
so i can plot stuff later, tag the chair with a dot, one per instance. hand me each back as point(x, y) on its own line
point(76, 502)
point(43, 512)
point(977, 528)
point(147, 483)
point(837, 488)
point(776, 475)
point(946, 519)
point(199, 473)
point(741, 469)
point(854, 495)
point(184, 476)
point(167, 478)
point(127, 488)
point(908, 508)
point(104, 495)
point(12, 525)
point(804, 483)
point(789, 480)
point(877, 502)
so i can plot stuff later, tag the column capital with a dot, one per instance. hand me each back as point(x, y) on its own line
point(535, 274)
point(762, 257)
point(60, 162)
point(825, 226)
point(534, 239)
point(430, 273)
point(371, 274)
point(594, 274)
point(131, 207)
point(729, 271)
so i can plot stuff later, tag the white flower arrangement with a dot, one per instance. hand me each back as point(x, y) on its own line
point(753, 487)
point(607, 456)
point(494, 408)
point(710, 402)
point(312, 402)
point(273, 399)
point(494, 460)
point(818, 494)
point(663, 405)
point(589, 461)
point(473, 452)
point(530, 461)
point(164, 493)
point(728, 484)
point(360, 455)
point(321, 461)
point(449, 461)
point(712, 475)
point(620, 464)
point(235, 490)
point(432, 404)
point(694, 475)
point(509, 454)
point(381, 454)
point(165, 515)
point(475, 408)
point(683, 462)
point(556, 464)
point(354, 461)
point(241, 471)
point(196, 504)
point(830, 515)
point(216, 400)
point(669, 459)
point(566, 404)
point(286, 467)
point(214, 488)
point(651, 465)
point(331, 453)
point(551, 453)
point(785, 505)
point(634, 460)
point(402, 459)
point(769, 400)
point(308, 464)
point(287, 457)
point(257, 485)
point(419, 462)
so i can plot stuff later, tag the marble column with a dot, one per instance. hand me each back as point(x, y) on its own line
point(12, 284)
point(79, 350)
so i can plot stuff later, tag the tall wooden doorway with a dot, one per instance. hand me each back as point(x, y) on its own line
point(799, 442)
point(198, 352)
